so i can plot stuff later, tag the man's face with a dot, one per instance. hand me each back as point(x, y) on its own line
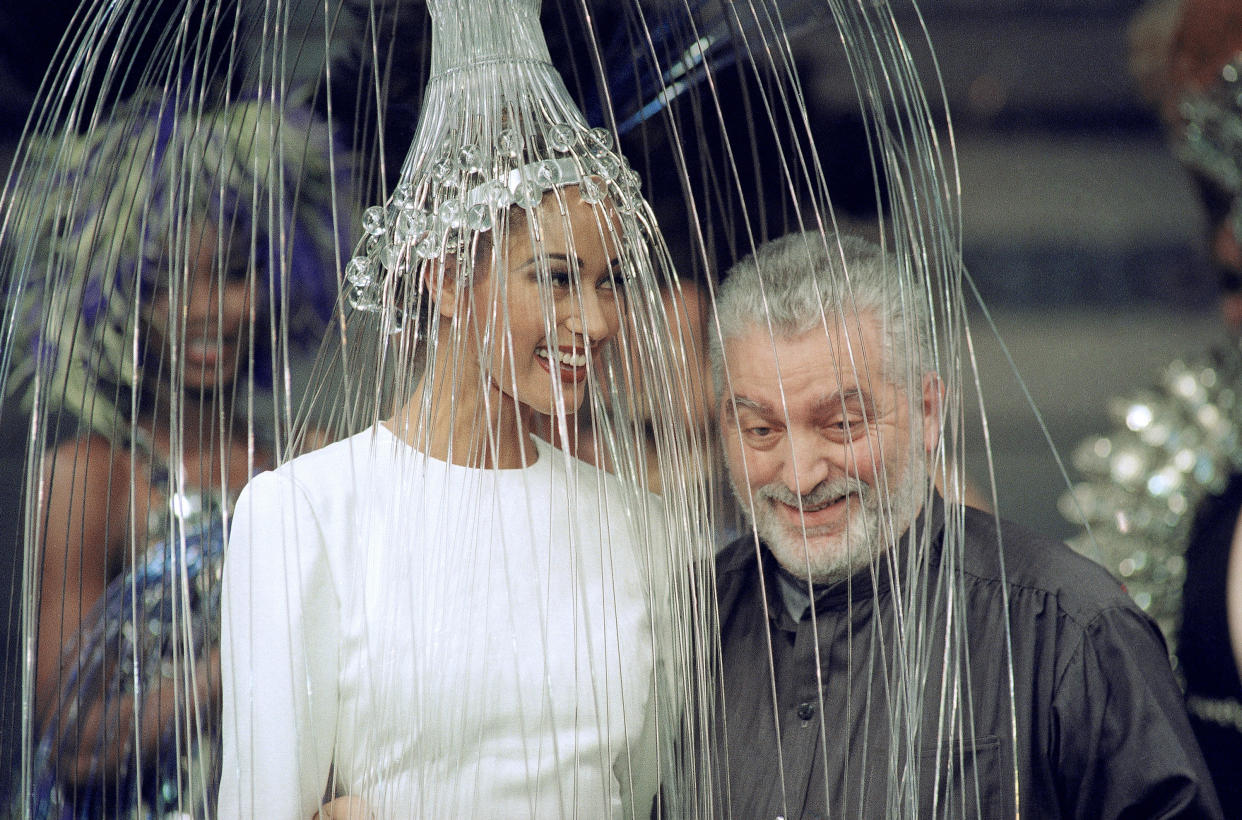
point(820, 444)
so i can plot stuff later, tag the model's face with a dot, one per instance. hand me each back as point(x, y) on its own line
point(818, 438)
point(207, 319)
point(556, 307)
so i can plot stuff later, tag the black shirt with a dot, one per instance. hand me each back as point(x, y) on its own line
point(881, 716)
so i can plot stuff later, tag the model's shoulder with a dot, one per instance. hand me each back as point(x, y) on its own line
point(338, 462)
point(1029, 562)
point(323, 480)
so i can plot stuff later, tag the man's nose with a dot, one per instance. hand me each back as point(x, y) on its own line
point(810, 461)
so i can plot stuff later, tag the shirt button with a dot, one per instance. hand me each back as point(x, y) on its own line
point(806, 711)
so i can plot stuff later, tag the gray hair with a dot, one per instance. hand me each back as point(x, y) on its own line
point(806, 280)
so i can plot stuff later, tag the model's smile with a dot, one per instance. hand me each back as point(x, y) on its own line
point(571, 362)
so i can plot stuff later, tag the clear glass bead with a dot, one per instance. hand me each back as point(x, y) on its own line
point(600, 139)
point(528, 194)
point(479, 217)
point(392, 257)
point(410, 226)
point(470, 157)
point(497, 195)
point(508, 142)
point(364, 299)
point(548, 173)
point(606, 166)
point(451, 213)
point(444, 171)
point(373, 220)
point(591, 191)
point(629, 179)
point(560, 137)
point(360, 272)
point(429, 247)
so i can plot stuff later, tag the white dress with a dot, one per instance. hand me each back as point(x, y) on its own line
point(447, 641)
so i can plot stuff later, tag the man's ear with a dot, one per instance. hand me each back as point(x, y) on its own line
point(932, 406)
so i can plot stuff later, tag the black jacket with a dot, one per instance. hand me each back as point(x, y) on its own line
point(1097, 728)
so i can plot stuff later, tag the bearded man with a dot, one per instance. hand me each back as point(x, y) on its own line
point(885, 653)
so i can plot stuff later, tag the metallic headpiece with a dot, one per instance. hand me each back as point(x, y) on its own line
point(498, 129)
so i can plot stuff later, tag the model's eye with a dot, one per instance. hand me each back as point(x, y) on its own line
point(614, 282)
point(559, 279)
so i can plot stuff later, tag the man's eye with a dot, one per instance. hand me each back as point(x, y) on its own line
point(238, 272)
point(848, 427)
point(759, 432)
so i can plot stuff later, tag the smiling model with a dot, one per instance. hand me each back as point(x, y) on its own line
point(443, 614)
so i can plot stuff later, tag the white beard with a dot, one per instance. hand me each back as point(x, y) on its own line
point(871, 524)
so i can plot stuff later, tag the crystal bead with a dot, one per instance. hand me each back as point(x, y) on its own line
point(360, 272)
point(403, 195)
point(591, 191)
point(600, 139)
point(410, 226)
point(450, 213)
point(560, 137)
point(373, 220)
point(497, 195)
point(1127, 466)
point(508, 142)
point(548, 173)
point(479, 217)
point(429, 247)
point(606, 166)
point(443, 171)
point(393, 256)
point(364, 299)
point(470, 157)
point(528, 194)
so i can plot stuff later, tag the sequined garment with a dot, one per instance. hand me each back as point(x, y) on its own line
point(1176, 444)
point(1210, 140)
point(157, 627)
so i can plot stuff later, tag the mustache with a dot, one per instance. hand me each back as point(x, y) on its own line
point(822, 493)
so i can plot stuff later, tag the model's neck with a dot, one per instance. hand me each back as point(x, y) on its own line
point(458, 414)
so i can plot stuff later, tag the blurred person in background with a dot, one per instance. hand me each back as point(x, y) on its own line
point(1162, 494)
point(167, 251)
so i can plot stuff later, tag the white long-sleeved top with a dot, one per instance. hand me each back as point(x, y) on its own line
point(447, 641)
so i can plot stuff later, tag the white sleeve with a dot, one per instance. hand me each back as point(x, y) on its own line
point(279, 640)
